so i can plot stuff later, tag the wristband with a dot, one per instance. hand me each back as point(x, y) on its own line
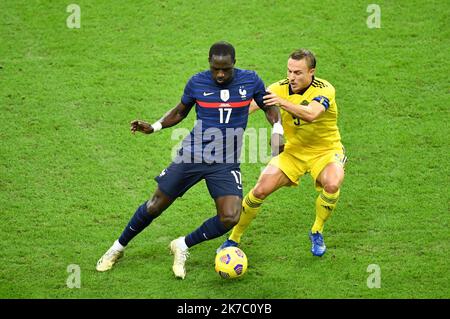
point(277, 129)
point(156, 126)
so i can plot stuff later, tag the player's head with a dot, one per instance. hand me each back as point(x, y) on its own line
point(300, 69)
point(221, 62)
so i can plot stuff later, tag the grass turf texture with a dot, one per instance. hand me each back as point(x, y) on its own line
point(71, 174)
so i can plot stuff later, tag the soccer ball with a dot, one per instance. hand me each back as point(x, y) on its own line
point(231, 262)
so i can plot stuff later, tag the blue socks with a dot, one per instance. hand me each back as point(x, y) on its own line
point(212, 228)
point(138, 222)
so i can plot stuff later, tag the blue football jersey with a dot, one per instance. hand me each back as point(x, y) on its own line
point(222, 115)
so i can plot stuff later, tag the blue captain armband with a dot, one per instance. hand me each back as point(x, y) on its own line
point(323, 100)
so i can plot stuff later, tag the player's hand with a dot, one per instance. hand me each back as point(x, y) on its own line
point(272, 99)
point(140, 126)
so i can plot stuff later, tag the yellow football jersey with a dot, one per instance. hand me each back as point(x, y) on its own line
point(320, 134)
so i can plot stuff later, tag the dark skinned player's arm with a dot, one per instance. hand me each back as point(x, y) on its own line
point(171, 118)
point(273, 116)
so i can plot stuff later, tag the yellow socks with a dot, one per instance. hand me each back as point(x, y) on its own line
point(325, 204)
point(250, 207)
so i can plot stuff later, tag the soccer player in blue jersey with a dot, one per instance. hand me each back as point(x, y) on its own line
point(221, 96)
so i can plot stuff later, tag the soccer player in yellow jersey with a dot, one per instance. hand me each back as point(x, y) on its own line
point(313, 145)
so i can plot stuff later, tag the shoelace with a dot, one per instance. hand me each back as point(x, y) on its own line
point(113, 253)
point(183, 255)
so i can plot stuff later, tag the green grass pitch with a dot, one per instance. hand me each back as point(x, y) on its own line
point(71, 174)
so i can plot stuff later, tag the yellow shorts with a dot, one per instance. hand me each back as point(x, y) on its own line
point(297, 163)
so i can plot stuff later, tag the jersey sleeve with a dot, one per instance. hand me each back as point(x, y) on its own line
point(188, 98)
point(325, 97)
point(275, 88)
point(260, 91)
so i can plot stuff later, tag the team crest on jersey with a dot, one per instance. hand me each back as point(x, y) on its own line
point(304, 102)
point(243, 92)
point(224, 95)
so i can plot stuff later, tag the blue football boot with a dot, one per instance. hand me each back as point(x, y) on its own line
point(318, 247)
point(227, 243)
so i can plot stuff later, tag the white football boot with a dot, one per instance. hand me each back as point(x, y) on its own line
point(109, 258)
point(180, 251)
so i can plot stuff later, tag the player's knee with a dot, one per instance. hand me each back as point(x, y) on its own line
point(153, 209)
point(230, 218)
point(260, 192)
point(332, 187)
